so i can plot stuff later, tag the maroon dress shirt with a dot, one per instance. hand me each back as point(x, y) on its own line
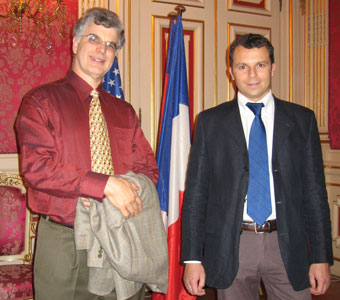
point(53, 135)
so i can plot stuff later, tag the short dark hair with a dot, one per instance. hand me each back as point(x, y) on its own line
point(250, 41)
point(100, 16)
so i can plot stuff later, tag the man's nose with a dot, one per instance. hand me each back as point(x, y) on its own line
point(102, 48)
point(252, 72)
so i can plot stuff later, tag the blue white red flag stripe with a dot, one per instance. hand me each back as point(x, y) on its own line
point(112, 82)
point(172, 157)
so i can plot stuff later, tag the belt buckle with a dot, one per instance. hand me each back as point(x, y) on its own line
point(270, 226)
point(257, 232)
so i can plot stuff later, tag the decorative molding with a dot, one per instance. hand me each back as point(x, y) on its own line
point(332, 184)
point(198, 3)
point(302, 7)
point(337, 242)
point(84, 5)
point(258, 7)
point(316, 64)
point(336, 222)
point(216, 55)
point(13, 180)
point(290, 99)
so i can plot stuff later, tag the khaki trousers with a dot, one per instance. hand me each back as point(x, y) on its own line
point(60, 272)
point(260, 257)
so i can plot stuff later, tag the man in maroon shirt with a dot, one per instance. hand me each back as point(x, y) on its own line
point(54, 141)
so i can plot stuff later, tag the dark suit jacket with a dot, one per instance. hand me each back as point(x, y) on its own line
point(217, 182)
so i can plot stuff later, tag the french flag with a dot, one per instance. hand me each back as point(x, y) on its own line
point(172, 157)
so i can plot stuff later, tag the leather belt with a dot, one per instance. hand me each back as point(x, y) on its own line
point(268, 226)
point(47, 218)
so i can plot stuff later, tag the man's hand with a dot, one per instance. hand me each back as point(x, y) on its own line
point(319, 278)
point(194, 278)
point(122, 194)
point(86, 202)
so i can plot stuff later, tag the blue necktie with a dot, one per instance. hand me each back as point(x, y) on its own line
point(258, 196)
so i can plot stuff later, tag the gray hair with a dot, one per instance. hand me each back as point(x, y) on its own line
point(100, 16)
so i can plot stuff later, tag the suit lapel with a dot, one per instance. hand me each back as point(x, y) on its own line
point(283, 125)
point(233, 124)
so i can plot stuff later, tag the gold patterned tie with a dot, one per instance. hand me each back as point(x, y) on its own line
point(101, 158)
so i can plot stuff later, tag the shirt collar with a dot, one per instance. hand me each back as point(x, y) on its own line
point(82, 88)
point(267, 100)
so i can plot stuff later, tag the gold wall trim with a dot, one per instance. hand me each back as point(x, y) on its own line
point(83, 5)
point(153, 121)
point(332, 184)
point(127, 28)
point(331, 167)
point(117, 7)
point(216, 60)
point(129, 51)
point(251, 10)
point(227, 63)
point(290, 99)
point(199, 4)
point(325, 81)
point(316, 85)
point(305, 50)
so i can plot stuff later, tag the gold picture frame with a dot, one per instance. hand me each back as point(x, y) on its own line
point(259, 7)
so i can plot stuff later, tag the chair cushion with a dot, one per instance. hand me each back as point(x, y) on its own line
point(16, 282)
point(12, 220)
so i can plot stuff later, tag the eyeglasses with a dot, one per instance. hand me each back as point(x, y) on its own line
point(97, 41)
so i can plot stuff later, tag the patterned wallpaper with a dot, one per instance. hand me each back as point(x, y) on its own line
point(23, 68)
point(334, 74)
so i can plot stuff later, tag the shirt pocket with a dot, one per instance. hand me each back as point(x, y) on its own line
point(122, 148)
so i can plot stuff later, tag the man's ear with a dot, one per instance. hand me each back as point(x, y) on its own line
point(273, 68)
point(231, 73)
point(75, 45)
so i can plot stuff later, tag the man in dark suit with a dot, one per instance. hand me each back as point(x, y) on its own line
point(255, 201)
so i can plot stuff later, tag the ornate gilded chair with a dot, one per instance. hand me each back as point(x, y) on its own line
point(17, 233)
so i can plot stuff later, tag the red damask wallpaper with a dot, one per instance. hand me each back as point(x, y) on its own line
point(334, 73)
point(23, 68)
